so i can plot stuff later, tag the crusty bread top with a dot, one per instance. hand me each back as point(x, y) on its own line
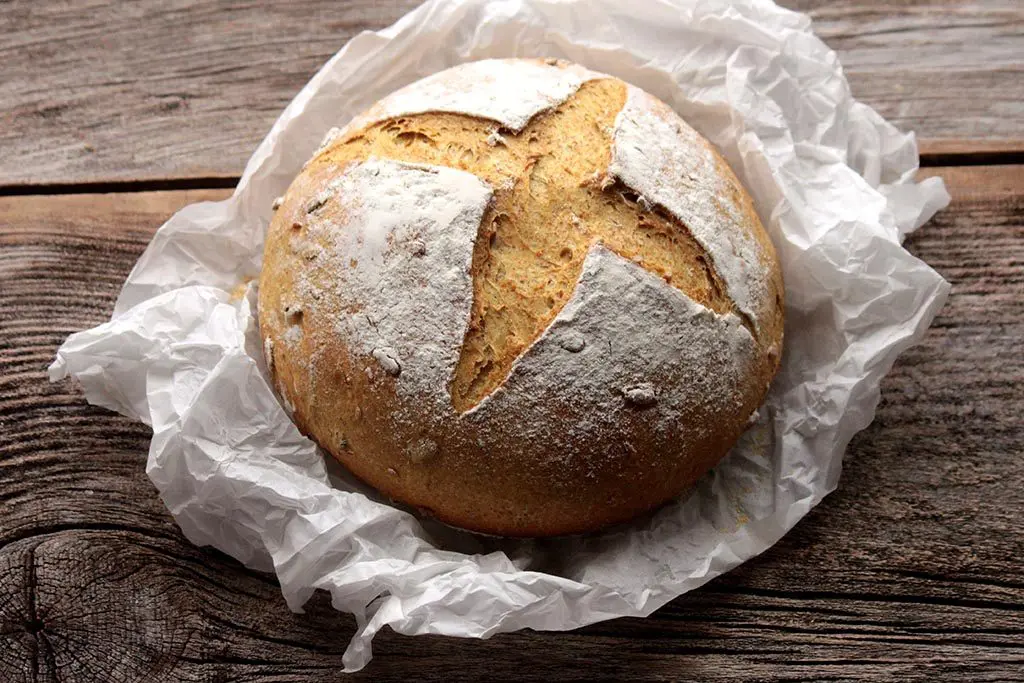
point(655, 153)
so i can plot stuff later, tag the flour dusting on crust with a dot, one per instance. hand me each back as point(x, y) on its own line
point(402, 259)
point(650, 352)
point(508, 92)
point(659, 156)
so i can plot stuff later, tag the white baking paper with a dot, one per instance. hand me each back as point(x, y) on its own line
point(833, 184)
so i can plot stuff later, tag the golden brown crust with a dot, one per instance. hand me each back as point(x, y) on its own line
point(552, 203)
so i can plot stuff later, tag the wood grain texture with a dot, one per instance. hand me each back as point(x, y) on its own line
point(99, 91)
point(951, 71)
point(911, 571)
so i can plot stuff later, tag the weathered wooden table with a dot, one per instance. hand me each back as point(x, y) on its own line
point(113, 115)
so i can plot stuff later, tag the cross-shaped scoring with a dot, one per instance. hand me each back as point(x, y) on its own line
point(546, 199)
point(553, 172)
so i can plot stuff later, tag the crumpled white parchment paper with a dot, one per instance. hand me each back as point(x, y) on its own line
point(831, 179)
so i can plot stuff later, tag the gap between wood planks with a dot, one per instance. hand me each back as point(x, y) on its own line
point(943, 155)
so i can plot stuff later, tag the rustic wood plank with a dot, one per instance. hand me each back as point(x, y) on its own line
point(948, 70)
point(911, 571)
point(103, 91)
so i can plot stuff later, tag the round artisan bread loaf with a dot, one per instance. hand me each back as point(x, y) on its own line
point(523, 297)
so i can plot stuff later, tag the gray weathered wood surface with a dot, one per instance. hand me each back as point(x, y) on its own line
point(911, 571)
point(109, 91)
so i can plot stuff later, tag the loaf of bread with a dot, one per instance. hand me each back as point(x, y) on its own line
point(523, 297)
